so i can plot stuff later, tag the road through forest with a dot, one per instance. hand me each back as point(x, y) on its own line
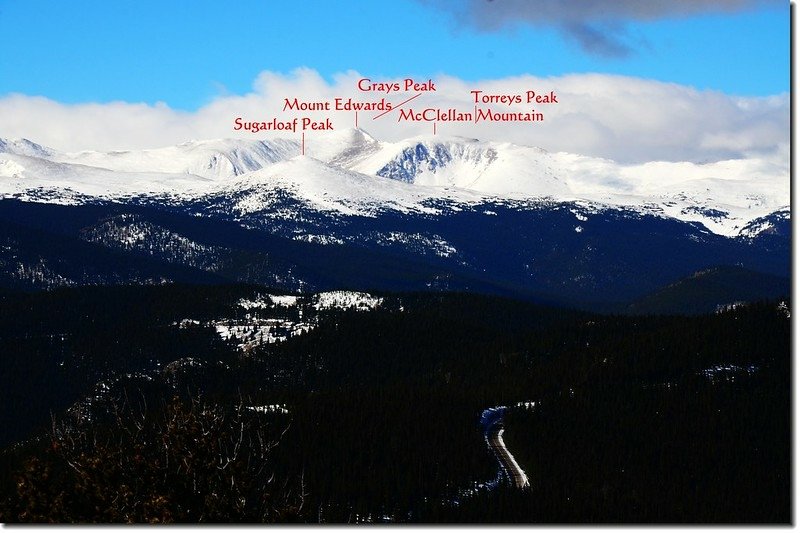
point(492, 422)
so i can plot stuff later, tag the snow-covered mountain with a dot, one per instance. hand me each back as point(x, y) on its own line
point(216, 159)
point(351, 173)
point(24, 147)
point(328, 188)
point(428, 213)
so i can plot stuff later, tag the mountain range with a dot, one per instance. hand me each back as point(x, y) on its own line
point(420, 214)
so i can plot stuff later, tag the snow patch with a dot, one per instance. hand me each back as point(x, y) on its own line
point(253, 332)
point(727, 372)
point(360, 301)
point(579, 216)
point(279, 408)
point(318, 239)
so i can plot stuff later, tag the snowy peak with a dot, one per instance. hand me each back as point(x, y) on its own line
point(776, 223)
point(222, 159)
point(422, 157)
point(345, 148)
point(351, 166)
point(348, 137)
point(331, 188)
point(215, 159)
point(485, 167)
point(24, 147)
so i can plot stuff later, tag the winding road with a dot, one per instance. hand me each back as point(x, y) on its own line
point(492, 422)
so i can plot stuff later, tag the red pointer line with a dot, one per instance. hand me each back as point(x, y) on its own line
point(398, 105)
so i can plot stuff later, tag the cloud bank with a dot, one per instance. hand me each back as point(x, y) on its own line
point(596, 25)
point(623, 118)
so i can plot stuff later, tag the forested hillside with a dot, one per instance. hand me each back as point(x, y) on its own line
point(351, 407)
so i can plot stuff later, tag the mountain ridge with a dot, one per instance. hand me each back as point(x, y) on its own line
point(427, 213)
point(725, 196)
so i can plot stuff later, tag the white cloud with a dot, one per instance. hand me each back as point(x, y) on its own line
point(623, 118)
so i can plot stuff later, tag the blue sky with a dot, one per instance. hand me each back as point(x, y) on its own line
point(186, 53)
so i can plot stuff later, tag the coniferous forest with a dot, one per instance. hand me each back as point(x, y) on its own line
point(147, 404)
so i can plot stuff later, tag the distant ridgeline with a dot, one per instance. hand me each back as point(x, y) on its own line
point(550, 252)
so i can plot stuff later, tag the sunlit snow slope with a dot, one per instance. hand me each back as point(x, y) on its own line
point(352, 173)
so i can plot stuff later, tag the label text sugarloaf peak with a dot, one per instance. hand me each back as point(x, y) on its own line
point(294, 125)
